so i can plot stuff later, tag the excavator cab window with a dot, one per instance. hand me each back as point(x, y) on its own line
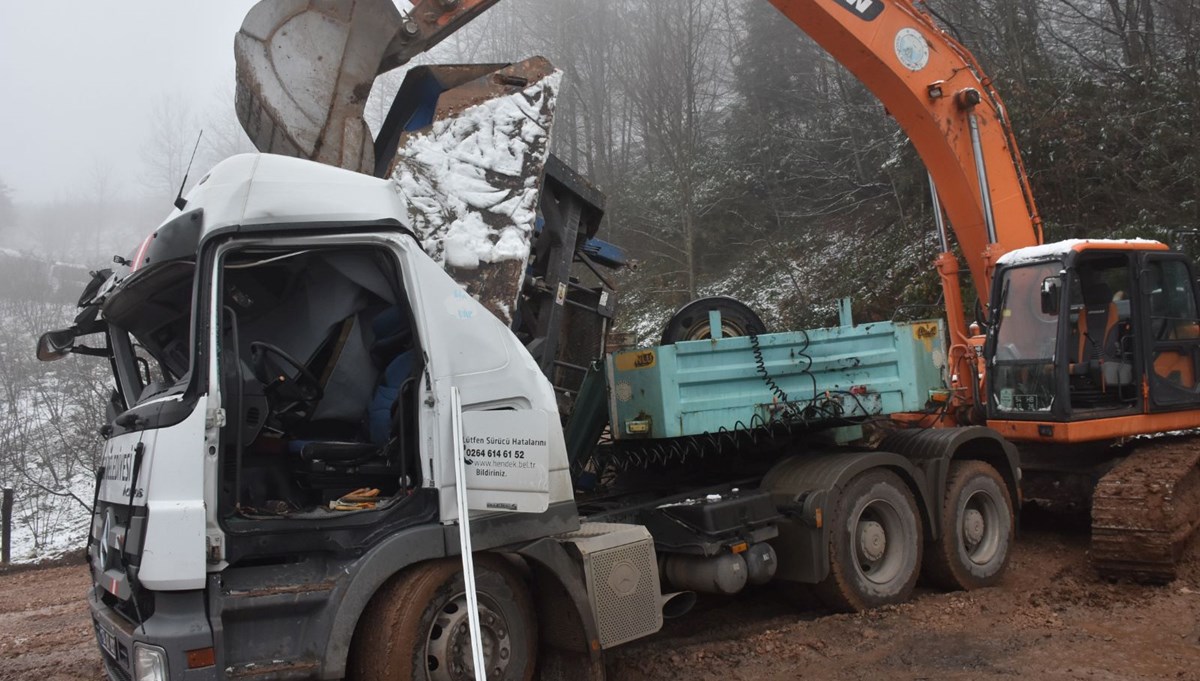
point(1101, 365)
point(1023, 376)
point(1174, 331)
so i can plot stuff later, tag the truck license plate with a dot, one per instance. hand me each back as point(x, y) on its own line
point(107, 640)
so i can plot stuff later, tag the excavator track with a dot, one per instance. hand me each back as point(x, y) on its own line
point(1145, 509)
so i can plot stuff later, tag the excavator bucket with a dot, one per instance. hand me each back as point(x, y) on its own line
point(305, 69)
point(466, 145)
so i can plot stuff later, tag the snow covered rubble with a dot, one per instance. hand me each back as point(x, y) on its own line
point(470, 184)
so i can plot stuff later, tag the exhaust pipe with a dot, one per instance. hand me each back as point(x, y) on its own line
point(677, 604)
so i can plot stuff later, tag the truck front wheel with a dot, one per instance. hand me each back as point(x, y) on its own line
point(416, 627)
point(977, 529)
point(875, 543)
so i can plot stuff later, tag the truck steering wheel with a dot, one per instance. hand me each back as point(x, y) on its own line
point(290, 399)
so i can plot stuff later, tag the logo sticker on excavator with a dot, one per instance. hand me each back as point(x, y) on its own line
point(911, 49)
point(864, 9)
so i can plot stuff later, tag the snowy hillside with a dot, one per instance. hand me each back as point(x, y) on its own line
point(49, 413)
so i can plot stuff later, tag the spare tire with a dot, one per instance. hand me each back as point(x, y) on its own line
point(691, 321)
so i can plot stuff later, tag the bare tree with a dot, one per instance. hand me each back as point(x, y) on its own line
point(674, 67)
point(171, 134)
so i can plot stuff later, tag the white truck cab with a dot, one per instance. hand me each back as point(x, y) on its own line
point(284, 351)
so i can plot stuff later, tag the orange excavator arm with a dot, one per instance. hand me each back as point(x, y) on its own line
point(945, 103)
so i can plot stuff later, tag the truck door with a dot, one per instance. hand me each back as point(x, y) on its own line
point(1172, 329)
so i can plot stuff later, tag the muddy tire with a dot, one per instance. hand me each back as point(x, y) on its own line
point(691, 321)
point(415, 628)
point(875, 544)
point(977, 529)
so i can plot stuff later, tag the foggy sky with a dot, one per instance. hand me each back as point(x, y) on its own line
point(78, 80)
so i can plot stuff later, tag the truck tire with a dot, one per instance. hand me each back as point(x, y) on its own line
point(691, 321)
point(977, 529)
point(875, 543)
point(416, 627)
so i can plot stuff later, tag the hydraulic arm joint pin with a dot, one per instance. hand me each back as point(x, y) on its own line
point(409, 29)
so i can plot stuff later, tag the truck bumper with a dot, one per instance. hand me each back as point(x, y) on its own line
point(178, 625)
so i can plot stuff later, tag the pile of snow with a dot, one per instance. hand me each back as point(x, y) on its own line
point(470, 182)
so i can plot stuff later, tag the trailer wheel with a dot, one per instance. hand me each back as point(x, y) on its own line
point(691, 321)
point(977, 529)
point(416, 627)
point(875, 543)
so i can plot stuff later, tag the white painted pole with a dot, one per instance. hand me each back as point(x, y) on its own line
point(464, 533)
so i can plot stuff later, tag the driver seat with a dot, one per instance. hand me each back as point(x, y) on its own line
point(384, 416)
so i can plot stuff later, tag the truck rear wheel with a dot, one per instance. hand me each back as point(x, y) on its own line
point(977, 529)
point(416, 628)
point(875, 543)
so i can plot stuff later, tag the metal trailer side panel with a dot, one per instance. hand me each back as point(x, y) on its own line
point(706, 386)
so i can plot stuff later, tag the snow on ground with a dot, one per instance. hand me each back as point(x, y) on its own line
point(796, 285)
point(50, 526)
point(49, 416)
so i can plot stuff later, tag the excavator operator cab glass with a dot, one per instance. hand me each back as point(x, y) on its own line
point(1174, 330)
point(1025, 341)
point(1065, 345)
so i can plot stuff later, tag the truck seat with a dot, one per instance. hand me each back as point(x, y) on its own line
point(392, 347)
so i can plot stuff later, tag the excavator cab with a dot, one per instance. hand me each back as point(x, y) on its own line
point(1094, 335)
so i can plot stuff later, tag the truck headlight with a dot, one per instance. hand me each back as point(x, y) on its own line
point(149, 663)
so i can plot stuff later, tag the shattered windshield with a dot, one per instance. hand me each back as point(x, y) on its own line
point(150, 324)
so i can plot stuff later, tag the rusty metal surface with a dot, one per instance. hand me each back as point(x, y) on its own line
point(428, 23)
point(305, 69)
point(1145, 509)
point(275, 670)
point(318, 587)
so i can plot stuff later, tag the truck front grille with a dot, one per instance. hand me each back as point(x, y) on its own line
point(114, 671)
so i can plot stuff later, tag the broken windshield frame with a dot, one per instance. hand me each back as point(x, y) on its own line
point(150, 326)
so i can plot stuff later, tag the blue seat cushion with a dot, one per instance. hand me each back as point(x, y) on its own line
point(379, 411)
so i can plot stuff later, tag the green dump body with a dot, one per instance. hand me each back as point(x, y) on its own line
point(831, 376)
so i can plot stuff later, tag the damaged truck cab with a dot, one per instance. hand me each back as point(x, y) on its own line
point(282, 340)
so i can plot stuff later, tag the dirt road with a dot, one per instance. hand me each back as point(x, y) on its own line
point(1049, 619)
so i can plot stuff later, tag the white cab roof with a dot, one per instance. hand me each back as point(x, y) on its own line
point(256, 188)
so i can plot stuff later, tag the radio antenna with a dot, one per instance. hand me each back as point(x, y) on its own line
point(181, 202)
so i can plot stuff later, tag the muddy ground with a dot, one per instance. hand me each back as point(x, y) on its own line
point(1050, 618)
